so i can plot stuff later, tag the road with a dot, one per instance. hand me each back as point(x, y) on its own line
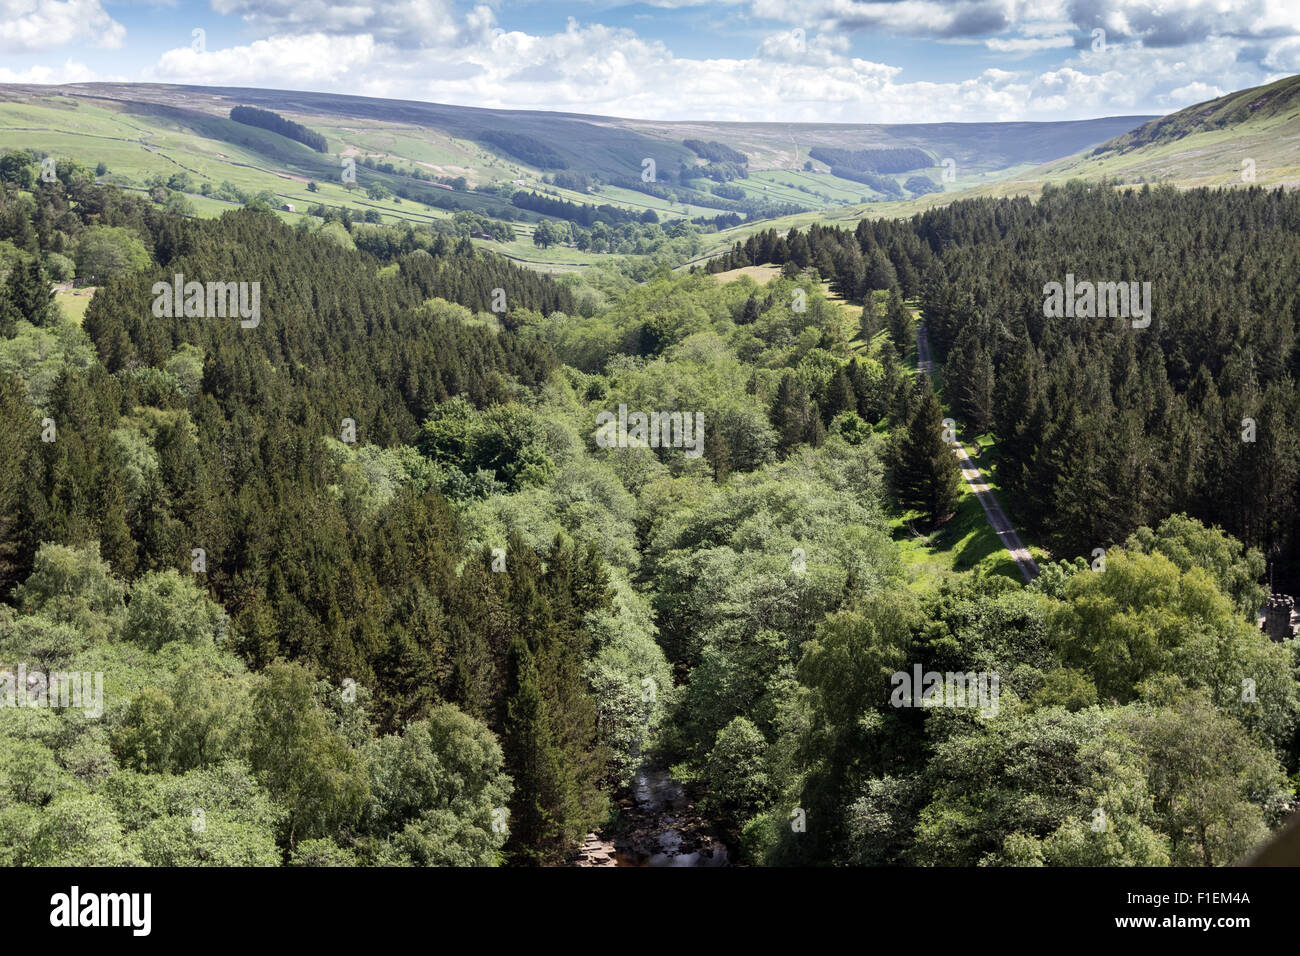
point(997, 518)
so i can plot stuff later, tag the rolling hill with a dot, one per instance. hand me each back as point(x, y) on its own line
point(143, 134)
point(1249, 136)
point(1207, 144)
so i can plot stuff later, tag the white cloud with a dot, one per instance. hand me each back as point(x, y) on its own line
point(795, 46)
point(1167, 23)
point(30, 26)
point(1284, 55)
point(1191, 94)
point(69, 72)
point(591, 68)
point(404, 23)
point(935, 18)
point(314, 61)
point(1028, 44)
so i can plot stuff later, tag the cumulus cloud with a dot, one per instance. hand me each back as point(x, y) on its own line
point(311, 61)
point(1192, 93)
point(800, 74)
point(933, 18)
point(795, 46)
point(402, 23)
point(1168, 23)
point(32, 26)
point(1028, 44)
point(612, 71)
point(69, 72)
point(1267, 29)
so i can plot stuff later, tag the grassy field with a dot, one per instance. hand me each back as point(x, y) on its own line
point(965, 541)
point(74, 302)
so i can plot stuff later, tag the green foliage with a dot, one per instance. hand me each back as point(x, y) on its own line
point(106, 252)
point(301, 760)
point(453, 640)
point(321, 852)
point(167, 607)
point(74, 586)
point(439, 789)
point(26, 297)
point(736, 773)
point(926, 474)
point(504, 441)
point(81, 829)
point(1044, 778)
point(550, 736)
point(1236, 569)
point(38, 356)
point(218, 816)
point(1144, 618)
point(59, 268)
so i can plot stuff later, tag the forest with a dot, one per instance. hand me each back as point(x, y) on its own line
point(1102, 428)
point(265, 119)
point(365, 590)
point(898, 159)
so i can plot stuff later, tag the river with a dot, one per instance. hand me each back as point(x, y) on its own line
point(658, 826)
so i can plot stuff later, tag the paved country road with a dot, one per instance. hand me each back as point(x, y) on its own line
point(970, 471)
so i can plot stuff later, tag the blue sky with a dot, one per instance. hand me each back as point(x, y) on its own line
point(773, 60)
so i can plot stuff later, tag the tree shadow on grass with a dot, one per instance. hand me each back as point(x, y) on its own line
point(965, 539)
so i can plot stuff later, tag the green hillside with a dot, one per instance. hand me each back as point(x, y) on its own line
point(141, 136)
point(1251, 136)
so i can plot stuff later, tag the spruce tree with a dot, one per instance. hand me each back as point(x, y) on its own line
point(531, 761)
point(17, 438)
point(869, 322)
point(899, 321)
point(793, 416)
point(28, 294)
point(839, 396)
point(969, 374)
point(926, 474)
point(863, 393)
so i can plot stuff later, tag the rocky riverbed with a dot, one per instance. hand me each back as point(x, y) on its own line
point(658, 826)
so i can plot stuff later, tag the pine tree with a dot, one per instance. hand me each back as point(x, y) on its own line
point(926, 475)
point(869, 322)
point(17, 438)
point(863, 393)
point(531, 761)
point(718, 451)
point(115, 542)
point(28, 292)
point(793, 415)
point(893, 398)
point(839, 396)
point(899, 321)
point(879, 273)
point(969, 374)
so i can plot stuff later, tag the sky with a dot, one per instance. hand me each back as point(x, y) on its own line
point(849, 61)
